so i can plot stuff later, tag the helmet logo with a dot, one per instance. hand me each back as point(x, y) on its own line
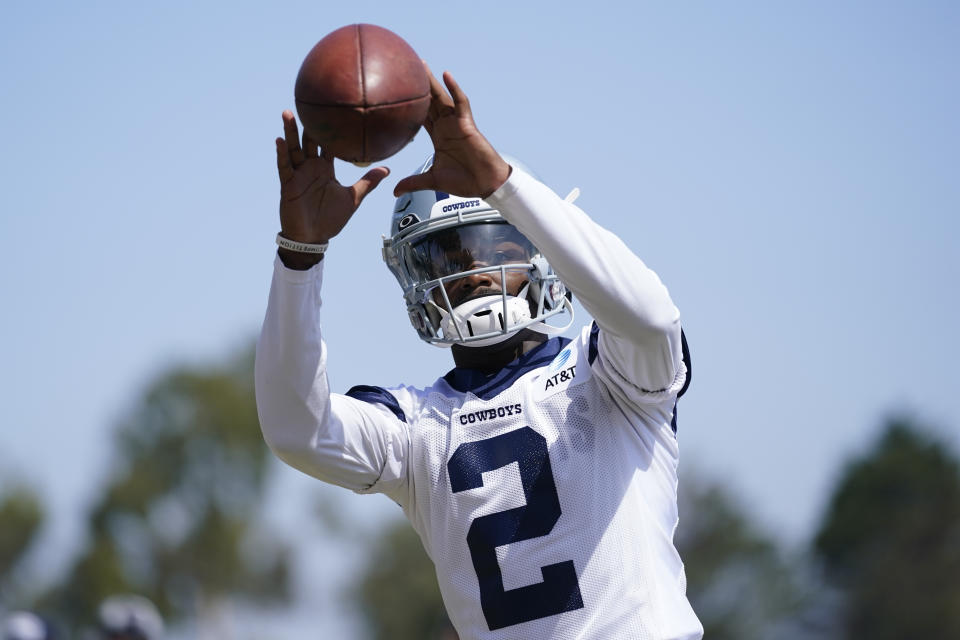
point(407, 220)
point(406, 201)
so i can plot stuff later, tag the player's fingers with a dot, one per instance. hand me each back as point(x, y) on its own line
point(283, 161)
point(309, 146)
point(292, 138)
point(460, 101)
point(438, 95)
point(418, 182)
point(368, 183)
point(327, 157)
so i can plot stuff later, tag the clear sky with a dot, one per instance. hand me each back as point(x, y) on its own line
point(791, 172)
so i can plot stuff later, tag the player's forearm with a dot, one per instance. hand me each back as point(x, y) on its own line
point(290, 371)
point(613, 284)
point(640, 325)
point(335, 439)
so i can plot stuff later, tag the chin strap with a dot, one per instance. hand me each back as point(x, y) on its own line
point(549, 329)
point(480, 322)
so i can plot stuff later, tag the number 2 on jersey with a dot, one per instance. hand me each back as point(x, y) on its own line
point(560, 589)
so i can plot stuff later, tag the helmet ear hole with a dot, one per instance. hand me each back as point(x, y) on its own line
point(545, 286)
point(421, 321)
point(541, 268)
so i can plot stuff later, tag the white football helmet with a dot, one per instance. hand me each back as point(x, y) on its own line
point(437, 239)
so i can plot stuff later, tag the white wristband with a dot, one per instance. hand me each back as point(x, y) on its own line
point(301, 247)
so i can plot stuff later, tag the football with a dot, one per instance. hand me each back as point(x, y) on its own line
point(362, 93)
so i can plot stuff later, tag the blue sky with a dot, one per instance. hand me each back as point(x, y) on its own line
point(791, 172)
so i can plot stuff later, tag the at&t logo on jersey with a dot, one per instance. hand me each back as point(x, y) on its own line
point(558, 372)
point(565, 375)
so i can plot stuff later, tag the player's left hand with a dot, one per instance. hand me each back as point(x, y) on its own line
point(464, 163)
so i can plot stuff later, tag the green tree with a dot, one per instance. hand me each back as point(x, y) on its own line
point(738, 581)
point(890, 539)
point(21, 519)
point(397, 593)
point(180, 520)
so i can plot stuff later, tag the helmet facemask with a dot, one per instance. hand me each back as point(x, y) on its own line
point(476, 282)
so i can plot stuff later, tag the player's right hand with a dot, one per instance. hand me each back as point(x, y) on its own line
point(464, 162)
point(314, 206)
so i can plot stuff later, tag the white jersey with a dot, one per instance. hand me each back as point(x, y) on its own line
point(546, 495)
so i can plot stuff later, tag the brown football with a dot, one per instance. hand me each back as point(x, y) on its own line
point(362, 93)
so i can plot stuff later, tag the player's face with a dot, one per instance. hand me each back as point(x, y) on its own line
point(475, 247)
point(481, 284)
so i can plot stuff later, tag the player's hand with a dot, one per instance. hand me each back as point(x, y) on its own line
point(314, 207)
point(464, 162)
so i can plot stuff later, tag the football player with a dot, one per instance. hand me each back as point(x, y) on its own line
point(540, 472)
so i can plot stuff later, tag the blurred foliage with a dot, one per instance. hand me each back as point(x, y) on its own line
point(397, 592)
point(890, 539)
point(21, 518)
point(738, 581)
point(180, 519)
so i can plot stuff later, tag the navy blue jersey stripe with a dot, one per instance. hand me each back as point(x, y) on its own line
point(594, 334)
point(592, 354)
point(686, 383)
point(377, 395)
point(485, 388)
point(686, 361)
